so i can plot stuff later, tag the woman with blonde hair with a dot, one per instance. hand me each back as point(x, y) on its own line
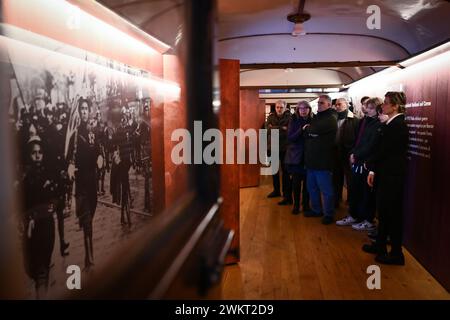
point(387, 168)
point(362, 202)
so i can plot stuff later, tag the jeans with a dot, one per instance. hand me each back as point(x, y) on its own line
point(321, 182)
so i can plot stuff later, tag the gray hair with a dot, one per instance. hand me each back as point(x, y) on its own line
point(283, 103)
point(342, 99)
point(327, 97)
point(305, 104)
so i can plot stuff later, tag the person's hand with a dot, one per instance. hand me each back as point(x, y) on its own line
point(46, 184)
point(270, 126)
point(284, 128)
point(71, 171)
point(30, 229)
point(352, 159)
point(305, 126)
point(370, 179)
point(19, 125)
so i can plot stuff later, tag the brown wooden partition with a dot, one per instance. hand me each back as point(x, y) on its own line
point(229, 173)
point(251, 113)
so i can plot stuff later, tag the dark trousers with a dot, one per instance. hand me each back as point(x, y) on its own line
point(60, 205)
point(101, 180)
point(39, 249)
point(299, 186)
point(362, 203)
point(390, 191)
point(286, 182)
point(341, 173)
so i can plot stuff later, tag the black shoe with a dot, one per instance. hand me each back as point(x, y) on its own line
point(391, 259)
point(310, 214)
point(327, 220)
point(274, 194)
point(285, 202)
point(373, 248)
point(295, 210)
point(373, 238)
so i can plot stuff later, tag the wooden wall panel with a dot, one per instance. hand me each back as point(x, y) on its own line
point(442, 250)
point(251, 114)
point(426, 234)
point(175, 117)
point(229, 173)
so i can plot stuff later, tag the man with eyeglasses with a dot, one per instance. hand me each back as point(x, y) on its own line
point(345, 141)
point(319, 160)
point(279, 120)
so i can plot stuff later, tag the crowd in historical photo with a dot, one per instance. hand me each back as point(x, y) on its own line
point(81, 143)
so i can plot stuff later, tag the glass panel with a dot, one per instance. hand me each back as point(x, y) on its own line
point(93, 101)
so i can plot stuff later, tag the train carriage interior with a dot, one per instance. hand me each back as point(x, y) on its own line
point(225, 149)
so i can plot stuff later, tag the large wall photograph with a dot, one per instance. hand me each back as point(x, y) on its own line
point(83, 171)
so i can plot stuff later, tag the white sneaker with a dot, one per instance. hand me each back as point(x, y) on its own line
point(347, 221)
point(363, 226)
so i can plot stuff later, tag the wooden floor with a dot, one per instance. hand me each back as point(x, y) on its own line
point(284, 256)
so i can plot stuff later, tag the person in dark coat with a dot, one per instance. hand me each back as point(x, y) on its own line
point(362, 203)
point(144, 141)
point(345, 141)
point(295, 158)
point(83, 168)
point(54, 139)
point(38, 223)
point(279, 121)
point(387, 171)
point(319, 160)
point(125, 147)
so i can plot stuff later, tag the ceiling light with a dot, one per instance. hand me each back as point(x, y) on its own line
point(299, 30)
point(298, 18)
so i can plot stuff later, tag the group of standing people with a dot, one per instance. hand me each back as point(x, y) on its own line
point(322, 152)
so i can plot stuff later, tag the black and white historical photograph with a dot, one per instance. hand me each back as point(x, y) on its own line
point(83, 170)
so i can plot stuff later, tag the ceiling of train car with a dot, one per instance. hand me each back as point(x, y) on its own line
point(159, 18)
point(257, 33)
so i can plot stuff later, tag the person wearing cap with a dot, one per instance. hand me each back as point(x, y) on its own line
point(387, 168)
point(125, 150)
point(38, 223)
point(54, 141)
point(144, 142)
point(99, 130)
